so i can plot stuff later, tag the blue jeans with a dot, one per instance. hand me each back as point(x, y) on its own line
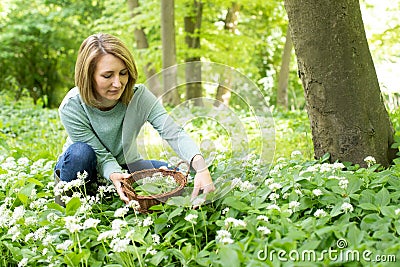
point(81, 157)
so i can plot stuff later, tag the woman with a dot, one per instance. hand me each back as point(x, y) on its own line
point(93, 115)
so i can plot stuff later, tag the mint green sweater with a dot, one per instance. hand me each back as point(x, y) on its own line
point(112, 134)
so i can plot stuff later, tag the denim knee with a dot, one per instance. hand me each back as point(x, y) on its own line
point(78, 157)
point(82, 152)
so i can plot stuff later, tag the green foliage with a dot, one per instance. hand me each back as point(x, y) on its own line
point(39, 41)
point(258, 216)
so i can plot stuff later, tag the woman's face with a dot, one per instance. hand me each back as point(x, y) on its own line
point(110, 77)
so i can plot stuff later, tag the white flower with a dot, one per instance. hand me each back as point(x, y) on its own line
point(273, 207)
point(370, 161)
point(48, 239)
point(28, 237)
point(133, 204)
point(52, 217)
point(224, 211)
point(117, 224)
point(274, 186)
point(14, 232)
point(246, 186)
point(40, 233)
point(264, 230)
point(298, 191)
point(269, 181)
point(23, 161)
point(295, 154)
point(18, 213)
point(294, 204)
point(397, 211)
point(119, 245)
point(82, 176)
point(234, 222)
point(156, 239)
point(319, 213)
point(151, 251)
point(191, 218)
point(262, 218)
point(108, 235)
point(273, 196)
point(23, 262)
point(65, 245)
point(325, 167)
point(121, 212)
point(224, 237)
point(72, 224)
point(343, 183)
point(338, 165)
point(347, 207)
point(91, 223)
point(147, 222)
point(317, 192)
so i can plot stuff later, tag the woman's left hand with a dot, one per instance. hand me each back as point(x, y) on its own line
point(202, 181)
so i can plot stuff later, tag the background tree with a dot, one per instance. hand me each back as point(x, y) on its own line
point(192, 22)
point(344, 104)
point(231, 20)
point(141, 45)
point(283, 78)
point(169, 52)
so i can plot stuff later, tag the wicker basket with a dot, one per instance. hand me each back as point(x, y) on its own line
point(146, 202)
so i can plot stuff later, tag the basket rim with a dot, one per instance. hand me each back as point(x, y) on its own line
point(126, 186)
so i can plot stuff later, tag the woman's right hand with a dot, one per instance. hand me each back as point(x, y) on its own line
point(116, 178)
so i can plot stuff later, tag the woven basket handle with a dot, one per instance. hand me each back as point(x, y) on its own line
point(188, 167)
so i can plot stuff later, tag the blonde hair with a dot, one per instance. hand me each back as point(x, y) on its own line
point(94, 47)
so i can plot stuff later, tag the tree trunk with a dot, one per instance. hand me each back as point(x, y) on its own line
point(282, 93)
point(141, 43)
point(344, 104)
point(171, 95)
point(193, 67)
point(223, 93)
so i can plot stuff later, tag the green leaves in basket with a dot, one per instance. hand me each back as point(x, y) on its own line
point(155, 185)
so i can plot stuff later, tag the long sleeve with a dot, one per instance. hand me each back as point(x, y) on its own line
point(158, 117)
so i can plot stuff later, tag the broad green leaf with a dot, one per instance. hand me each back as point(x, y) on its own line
point(367, 196)
point(354, 236)
point(25, 193)
point(382, 198)
point(389, 211)
point(228, 257)
point(368, 206)
point(308, 245)
point(156, 259)
point(35, 181)
point(354, 185)
point(235, 203)
point(73, 205)
point(175, 213)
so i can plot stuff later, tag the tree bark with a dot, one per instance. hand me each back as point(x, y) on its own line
point(142, 43)
point(171, 95)
point(223, 93)
point(344, 104)
point(282, 93)
point(193, 69)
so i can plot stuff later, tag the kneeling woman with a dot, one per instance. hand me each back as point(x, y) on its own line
point(93, 115)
